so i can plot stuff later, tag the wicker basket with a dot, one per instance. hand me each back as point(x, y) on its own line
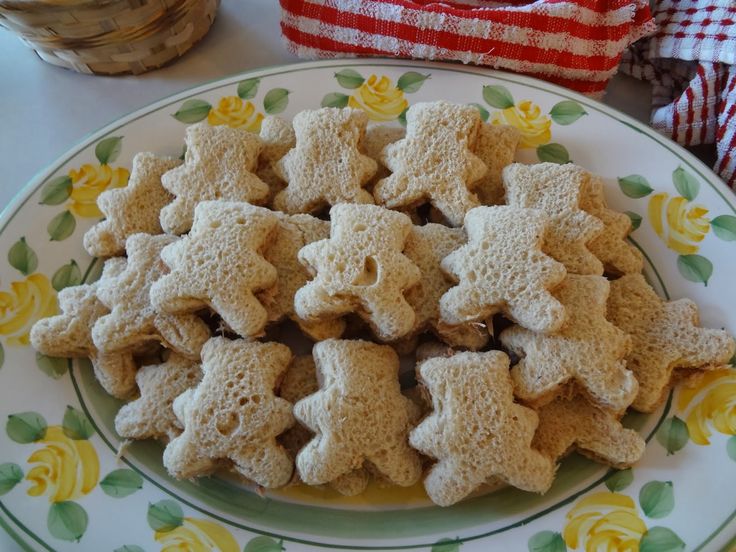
point(109, 37)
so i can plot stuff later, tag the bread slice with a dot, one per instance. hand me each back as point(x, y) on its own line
point(502, 269)
point(556, 190)
point(69, 334)
point(588, 350)
point(566, 425)
point(219, 164)
point(151, 416)
point(361, 269)
point(326, 166)
point(434, 162)
point(234, 414)
point(476, 431)
point(358, 415)
point(667, 338)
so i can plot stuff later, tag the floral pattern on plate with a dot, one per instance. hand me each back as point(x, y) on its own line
point(679, 222)
point(235, 111)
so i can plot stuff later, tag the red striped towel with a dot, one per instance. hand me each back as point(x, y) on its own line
point(691, 62)
point(575, 43)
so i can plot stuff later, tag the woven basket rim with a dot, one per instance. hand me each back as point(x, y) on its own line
point(150, 39)
point(59, 5)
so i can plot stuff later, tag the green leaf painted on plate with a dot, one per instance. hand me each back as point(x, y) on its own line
point(402, 117)
point(108, 150)
point(94, 271)
point(635, 219)
point(67, 275)
point(685, 183)
point(657, 499)
point(22, 257)
point(673, 434)
point(695, 268)
point(61, 226)
point(731, 447)
point(335, 99)
point(498, 96)
point(54, 367)
point(26, 427)
point(67, 520)
point(661, 539)
point(566, 112)
point(349, 78)
point(619, 480)
point(76, 425)
point(264, 544)
point(192, 111)
point(10, 476)
point(411, 81)
point(129, 548)
point(635, 186)
point(276, 100)
point(164, 516)
point(724, 227)
point(56, 191)
point(2, 355)
point(484, 115)
point(121, 483)
point(546, 541)
point(446, 545)
point(553, 153)
point(248, 88)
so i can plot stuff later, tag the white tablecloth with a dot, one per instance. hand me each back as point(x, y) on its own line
point(45, 110)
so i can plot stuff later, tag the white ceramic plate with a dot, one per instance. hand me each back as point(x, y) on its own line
point(63, 488)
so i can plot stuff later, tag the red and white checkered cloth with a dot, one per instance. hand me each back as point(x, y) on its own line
point(691, 62)
point(575, 43)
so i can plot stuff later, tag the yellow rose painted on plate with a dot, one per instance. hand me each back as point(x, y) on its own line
point(235, 113)
point(88, 182)
point(379, 98)
point(604, 521)
point(680, 224)
point(197, 535)
point(711, 403)
point(25, 302)
point(527, 117)
point(65, 468)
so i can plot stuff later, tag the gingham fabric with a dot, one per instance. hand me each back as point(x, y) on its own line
point(691, 62)
point(575, 43)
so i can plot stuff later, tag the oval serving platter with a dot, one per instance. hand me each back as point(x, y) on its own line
point(63, 485)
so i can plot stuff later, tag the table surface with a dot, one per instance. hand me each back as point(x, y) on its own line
point(45, 110)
